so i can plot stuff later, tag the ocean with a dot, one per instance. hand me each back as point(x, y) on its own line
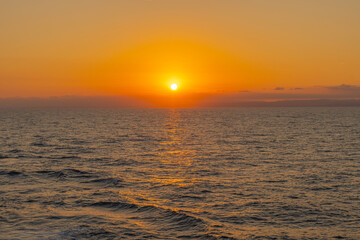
point(236, 173)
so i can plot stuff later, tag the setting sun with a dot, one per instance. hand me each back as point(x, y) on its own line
point(174, 87)
point(175, 119)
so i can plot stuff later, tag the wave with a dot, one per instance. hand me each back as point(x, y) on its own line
point(107, 181)
point(170, 219)
point(12, 173)
point(66, 173)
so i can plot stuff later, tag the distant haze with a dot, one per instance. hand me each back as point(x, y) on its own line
point(343, 95)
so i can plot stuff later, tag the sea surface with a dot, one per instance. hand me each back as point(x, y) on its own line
point(242, 173)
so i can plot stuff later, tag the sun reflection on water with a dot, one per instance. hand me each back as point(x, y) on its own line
point(173, 149)
point(174, 153)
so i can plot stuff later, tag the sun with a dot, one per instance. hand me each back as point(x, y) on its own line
point(173, 86)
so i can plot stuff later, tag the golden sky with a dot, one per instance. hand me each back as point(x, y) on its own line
point(138, 48)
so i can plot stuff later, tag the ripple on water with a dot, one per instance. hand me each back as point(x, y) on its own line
point(273, 173)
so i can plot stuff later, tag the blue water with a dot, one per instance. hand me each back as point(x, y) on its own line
point(247, 173)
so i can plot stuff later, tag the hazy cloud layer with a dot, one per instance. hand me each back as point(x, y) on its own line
point(73, 102)
point(304, 95)
point(341, 95)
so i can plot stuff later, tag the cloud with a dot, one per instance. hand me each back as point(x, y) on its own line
point(333, 94)
point(345, 88)
point(278, 88)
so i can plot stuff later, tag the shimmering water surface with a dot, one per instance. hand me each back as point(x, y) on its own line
point(274, 173)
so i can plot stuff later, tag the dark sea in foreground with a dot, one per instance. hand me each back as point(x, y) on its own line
point(245, 173)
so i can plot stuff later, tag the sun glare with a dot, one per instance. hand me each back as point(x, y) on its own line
point(173, 87)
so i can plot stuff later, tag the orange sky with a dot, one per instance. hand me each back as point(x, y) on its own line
point(138, 48)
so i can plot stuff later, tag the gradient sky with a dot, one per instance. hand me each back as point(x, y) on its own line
point(138, 47)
